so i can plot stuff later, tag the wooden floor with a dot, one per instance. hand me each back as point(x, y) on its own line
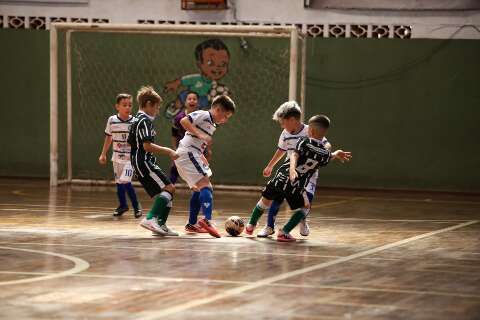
point(369, 256)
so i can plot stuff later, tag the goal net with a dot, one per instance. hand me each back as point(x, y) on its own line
point(91, 64)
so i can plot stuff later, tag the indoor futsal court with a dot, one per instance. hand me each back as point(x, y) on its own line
point(240, 159)
point(372, 255)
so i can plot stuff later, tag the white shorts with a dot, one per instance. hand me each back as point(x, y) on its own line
point(191, 167)
point(123, 172)
point(312, 183)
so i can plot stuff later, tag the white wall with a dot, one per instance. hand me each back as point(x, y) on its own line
point(425, 24)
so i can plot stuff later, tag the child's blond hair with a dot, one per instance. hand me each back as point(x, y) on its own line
point(146, 94)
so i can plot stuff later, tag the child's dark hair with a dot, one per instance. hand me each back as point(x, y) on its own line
point(122, 96)
point(289, 109)
point(191, 92)
point(216, 44)
point(225, 102)
point(319, 121)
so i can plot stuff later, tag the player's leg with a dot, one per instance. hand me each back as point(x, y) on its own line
point(137, 208)
point(126, 180)
point(299, 203)
point(195, 205)
point(310, 189)
point(206, 203)
point(122, 198)
point(269, 229)
point(160, 188)
point(196, 173)
point(262, 205)
point(304, 228)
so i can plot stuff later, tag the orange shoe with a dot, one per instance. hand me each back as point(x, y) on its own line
point(285, 237)
point(194, 228)
point(209, 227)
point(249, 229)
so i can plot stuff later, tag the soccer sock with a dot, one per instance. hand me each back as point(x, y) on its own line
point(159, 204)
point(132, 195)
point(194, 208)
point(121, 195)
point(272, 213)
point(206, 202)
point(297, 216)
point(257, 213)
point(173, 174)
point(164, 209)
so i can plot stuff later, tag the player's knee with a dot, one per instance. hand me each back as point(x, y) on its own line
point(170, 188)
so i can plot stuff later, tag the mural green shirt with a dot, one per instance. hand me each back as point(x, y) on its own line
point(197, 83)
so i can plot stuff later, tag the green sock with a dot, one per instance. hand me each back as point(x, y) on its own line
point(256, 214)
point(158, 207)
point(163, 215)
point(294, 220)
point(150, 215)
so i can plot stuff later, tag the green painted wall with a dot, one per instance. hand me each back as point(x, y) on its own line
point(24, 83)
point(408, 109)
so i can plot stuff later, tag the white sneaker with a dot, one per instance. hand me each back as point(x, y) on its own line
point(304, 228)
point(152, 225)
point(167, 231)
point(265, 232)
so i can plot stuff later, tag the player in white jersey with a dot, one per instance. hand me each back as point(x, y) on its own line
point(288, 115)
point(116, 134)
point(192, 165)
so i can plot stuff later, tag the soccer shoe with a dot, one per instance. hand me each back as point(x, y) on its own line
point(304, 228)
point(137, 212)
point(167, 231)
point(285, 237)
point(152, 225)
point(210, 227)
point(249, 229)
point(265, 232)
point(194, 228)
point(119, 211)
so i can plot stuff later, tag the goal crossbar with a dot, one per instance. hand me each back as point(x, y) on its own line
point(218, 30)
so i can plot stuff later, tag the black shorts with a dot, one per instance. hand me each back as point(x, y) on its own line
point(152, 178)
point(296, 198)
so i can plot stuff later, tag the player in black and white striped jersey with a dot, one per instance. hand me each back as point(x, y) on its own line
point(292, 177)
point(116, 134)
point(153, 179)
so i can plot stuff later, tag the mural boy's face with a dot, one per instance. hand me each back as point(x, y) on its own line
point(214, 64)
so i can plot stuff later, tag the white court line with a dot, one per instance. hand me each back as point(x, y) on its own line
point(267, 281)
point(236, 282)
point(79, 266)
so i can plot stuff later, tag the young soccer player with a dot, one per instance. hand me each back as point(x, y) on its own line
point(192, 165)
point(294, 174)
point(117, 132)
point(152, 178)
point(288, 116)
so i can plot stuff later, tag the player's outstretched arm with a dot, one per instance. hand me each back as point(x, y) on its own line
point(155, 148)
point(106, 145)
point(188, 126)
point(342, 156)
point(275, 158)
point(293, 165)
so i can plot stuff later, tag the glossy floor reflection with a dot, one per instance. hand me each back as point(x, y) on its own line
point(370, 255)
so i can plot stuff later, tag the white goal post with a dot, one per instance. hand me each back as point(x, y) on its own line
point(202, 30)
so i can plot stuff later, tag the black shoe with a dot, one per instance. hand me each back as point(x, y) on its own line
point(119, 211)
point(137, 212)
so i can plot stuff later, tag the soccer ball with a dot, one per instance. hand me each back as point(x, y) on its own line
point(234, 226)
point(217, 90)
